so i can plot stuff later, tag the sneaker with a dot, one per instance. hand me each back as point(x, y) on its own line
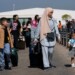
point(1, 68)
point(10, 65)
point(73, 65)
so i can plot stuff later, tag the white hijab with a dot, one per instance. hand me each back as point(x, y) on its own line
point(44, 23)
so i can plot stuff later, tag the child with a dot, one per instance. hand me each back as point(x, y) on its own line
point(72, 49)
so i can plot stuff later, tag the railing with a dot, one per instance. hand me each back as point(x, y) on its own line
point(64, 37)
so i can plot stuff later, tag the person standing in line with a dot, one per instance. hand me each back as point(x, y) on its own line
point(68, 26)
point(48, 30)
point(23, 27)
point(27, 34)
point(34, 26)
point(73, 25)
point(15, 29)
point(5, 45)
point(60, 26)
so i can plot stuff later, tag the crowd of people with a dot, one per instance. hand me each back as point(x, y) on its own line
point(40, 38)
point(70, 25)
point(70, 31)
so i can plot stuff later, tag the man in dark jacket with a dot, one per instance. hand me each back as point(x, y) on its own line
point(68, 25)
point(15, 27)
point(73, 24)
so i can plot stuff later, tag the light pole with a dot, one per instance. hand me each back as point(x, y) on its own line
point(13, 6)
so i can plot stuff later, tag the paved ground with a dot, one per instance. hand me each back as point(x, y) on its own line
point(60, 59)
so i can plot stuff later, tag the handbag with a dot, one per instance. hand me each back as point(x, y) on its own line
point(50, 36)
point(21, 43)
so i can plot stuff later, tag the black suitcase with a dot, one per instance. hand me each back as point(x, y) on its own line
point(14, 57)
point(36, 57)
point(21, 44)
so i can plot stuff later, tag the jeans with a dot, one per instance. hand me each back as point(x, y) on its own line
point(2, 61)
point(7, 48)
point(16, 36)
point(5, 52)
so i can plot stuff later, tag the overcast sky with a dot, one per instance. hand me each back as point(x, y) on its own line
point(7, 5)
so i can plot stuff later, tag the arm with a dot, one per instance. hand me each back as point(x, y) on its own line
point(57, 31)
point(37, 32)
point(32, 32)
point(19, 26)
point(1, 39)
point(11, 27)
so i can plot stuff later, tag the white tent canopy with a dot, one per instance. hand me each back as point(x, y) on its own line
point(25, 13)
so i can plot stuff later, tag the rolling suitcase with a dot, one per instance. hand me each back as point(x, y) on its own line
point(21, 44)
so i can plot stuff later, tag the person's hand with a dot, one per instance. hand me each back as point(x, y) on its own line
point(35, 41)
point(10, 30)
point(45, 34)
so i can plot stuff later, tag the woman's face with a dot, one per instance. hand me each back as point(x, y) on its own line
point(17, 18)
point(37, 17)
point(50, 14)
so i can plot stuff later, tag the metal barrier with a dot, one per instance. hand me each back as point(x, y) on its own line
point(64, 38)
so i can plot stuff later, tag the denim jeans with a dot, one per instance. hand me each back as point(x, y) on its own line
point(2, 61)
point(5, 51)
point(7, 48)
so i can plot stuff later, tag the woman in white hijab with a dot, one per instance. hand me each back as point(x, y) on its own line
point(47, 25)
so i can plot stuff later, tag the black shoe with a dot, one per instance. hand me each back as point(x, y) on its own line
point(47, 68)
point(14, 65)
point(8, 68)
point(1, 69)
point(53, 66)
point(32, 66)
